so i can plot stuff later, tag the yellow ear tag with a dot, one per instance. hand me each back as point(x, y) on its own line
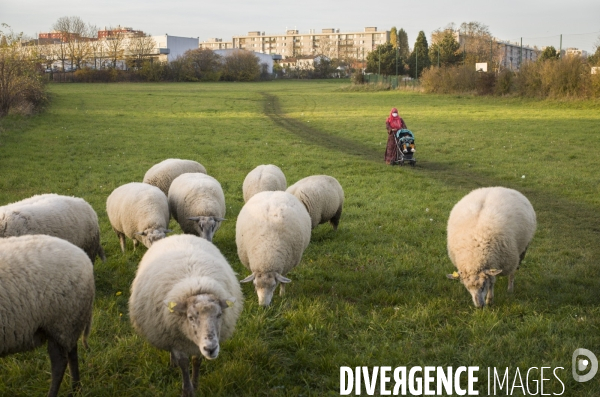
point(455, 275)
point(171, 305)
point(229, 303)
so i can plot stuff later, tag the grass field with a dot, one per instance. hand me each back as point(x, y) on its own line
point(373, 293)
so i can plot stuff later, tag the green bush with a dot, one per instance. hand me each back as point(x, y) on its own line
point(449, 79)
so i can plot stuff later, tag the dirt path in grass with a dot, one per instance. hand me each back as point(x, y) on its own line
point(273, 110)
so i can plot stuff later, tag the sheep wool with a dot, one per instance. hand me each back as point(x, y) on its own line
point(162, 174)
point(197, 203)
point(46, 293)
point(272, 231)
point(69, 218)
point(138, 211)
point(323, 197)
point(263, 178)
point(176, 276)
point(489, 231)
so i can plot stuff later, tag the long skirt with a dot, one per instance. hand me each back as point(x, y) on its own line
point(390, 150)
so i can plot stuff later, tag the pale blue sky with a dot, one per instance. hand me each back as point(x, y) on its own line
point(539, 22)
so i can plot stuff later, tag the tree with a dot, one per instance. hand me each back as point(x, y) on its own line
point(476, 40)
point(394, 37)
point(548, 53)
point(385, 53)
point(594, 59)
point(140, 48)
point(327, 47)
point(403, 49)
point(241, 66)
point(419, 58)
point(76, 36)
point(323, 68)
point(204, 63)
point(444, 48)
point(115, 47)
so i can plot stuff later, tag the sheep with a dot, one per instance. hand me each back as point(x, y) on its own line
point(69, 218)
point(489, 231)
point(263, 178)
point(162, 174)
point(138, 211)
point(46, 294)
point(323, 197)
point(197, 203)
point(187, 307)
point(271, 233)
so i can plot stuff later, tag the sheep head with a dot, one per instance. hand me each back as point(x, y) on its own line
point(203, 319)
point(478, 285)
point(206, 226)
point(151, 235)
point(265, 284)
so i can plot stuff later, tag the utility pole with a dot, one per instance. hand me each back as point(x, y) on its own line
point(560, 50)
point(379, 49)
point(438, 55)
point(521, 54)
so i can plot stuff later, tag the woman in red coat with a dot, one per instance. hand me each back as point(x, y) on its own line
point(393, 124)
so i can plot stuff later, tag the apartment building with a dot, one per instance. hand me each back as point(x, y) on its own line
point(330, 42)
point(576, 51)
point(513, 54)
point(216, 44)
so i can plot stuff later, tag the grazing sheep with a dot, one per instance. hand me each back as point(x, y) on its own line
point(489, 231)
point(185, 299)
point(323, 197)
point(197, 203)
point(46, 294)
point(263, 178)
point(162, 174)
point(272, 232)
point(69, 218)
point(138, 211)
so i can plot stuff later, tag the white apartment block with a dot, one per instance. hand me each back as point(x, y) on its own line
point(216, 44)
point(330, 42)
point(576, 51)
point(512, 55)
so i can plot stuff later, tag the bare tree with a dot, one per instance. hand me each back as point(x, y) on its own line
point(477, 42)
point(76, 34)
point(328, 47)
point(115, 47)
point(140, 48)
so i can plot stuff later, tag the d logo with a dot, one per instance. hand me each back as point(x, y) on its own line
point(581, 364)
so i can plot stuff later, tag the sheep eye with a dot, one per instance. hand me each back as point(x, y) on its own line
point(219, 315)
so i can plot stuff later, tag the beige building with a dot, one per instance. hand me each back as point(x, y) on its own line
point(513, 54)
point(216, 44)
point(329, 42)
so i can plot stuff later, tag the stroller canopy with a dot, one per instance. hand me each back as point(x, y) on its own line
point(405, 133)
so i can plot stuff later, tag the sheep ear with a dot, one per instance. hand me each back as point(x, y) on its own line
point(225, 303)
point(219, 219)
point(453, 276)
point(248, 279)
point(194, 218)
point(492, 272)
point(140, 233)
point(176, 307)
point(281, 279)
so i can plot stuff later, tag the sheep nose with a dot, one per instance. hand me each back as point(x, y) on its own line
point(209, 350)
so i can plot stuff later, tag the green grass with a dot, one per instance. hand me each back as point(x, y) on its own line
point(374, 292)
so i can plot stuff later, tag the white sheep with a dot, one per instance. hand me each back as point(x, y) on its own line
point(489, 231)
point(46, 293)
point(271, 233)
point(162, 174)
point(69, 218)
point(185, 299)
point(138, 211)
point(323, 197)
point(197, 203)
point(263, 178)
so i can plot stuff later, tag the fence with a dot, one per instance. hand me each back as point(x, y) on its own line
point(392, 81)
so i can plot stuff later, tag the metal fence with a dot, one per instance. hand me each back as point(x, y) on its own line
point(393, 81)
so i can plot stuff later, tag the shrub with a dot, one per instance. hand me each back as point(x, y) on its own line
point(504, 83)
point(22, 87)
point(241, 66)
point(449, 79)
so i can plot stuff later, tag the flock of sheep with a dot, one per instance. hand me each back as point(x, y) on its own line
point(185, 297)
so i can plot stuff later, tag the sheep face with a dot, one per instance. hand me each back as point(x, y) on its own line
point(480, 285)
point(265, 284)
point(149, 236)
point(202, 323)
point(206, 226)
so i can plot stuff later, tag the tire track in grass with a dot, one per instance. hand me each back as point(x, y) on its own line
point(272, 109)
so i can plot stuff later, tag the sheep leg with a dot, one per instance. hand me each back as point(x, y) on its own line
point(281, 289)
point(135, 244)
point(335, 221)
point(511, 282)
point(74, 370)
point(489, 299)
point(58, 362)
point(522, 256)
point(184, 364)
point(122, 241)
point(196, 361)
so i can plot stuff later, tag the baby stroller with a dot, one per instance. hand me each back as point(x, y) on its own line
point(405, 147)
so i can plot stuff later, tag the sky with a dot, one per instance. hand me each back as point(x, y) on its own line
point(537, 22)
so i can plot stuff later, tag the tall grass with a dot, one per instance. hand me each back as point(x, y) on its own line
point(372, 293)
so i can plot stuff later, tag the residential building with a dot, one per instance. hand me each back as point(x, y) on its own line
point(125, 31)
point(330, 42)
point(216, 44)
point(576, 51)
point(513, 54)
